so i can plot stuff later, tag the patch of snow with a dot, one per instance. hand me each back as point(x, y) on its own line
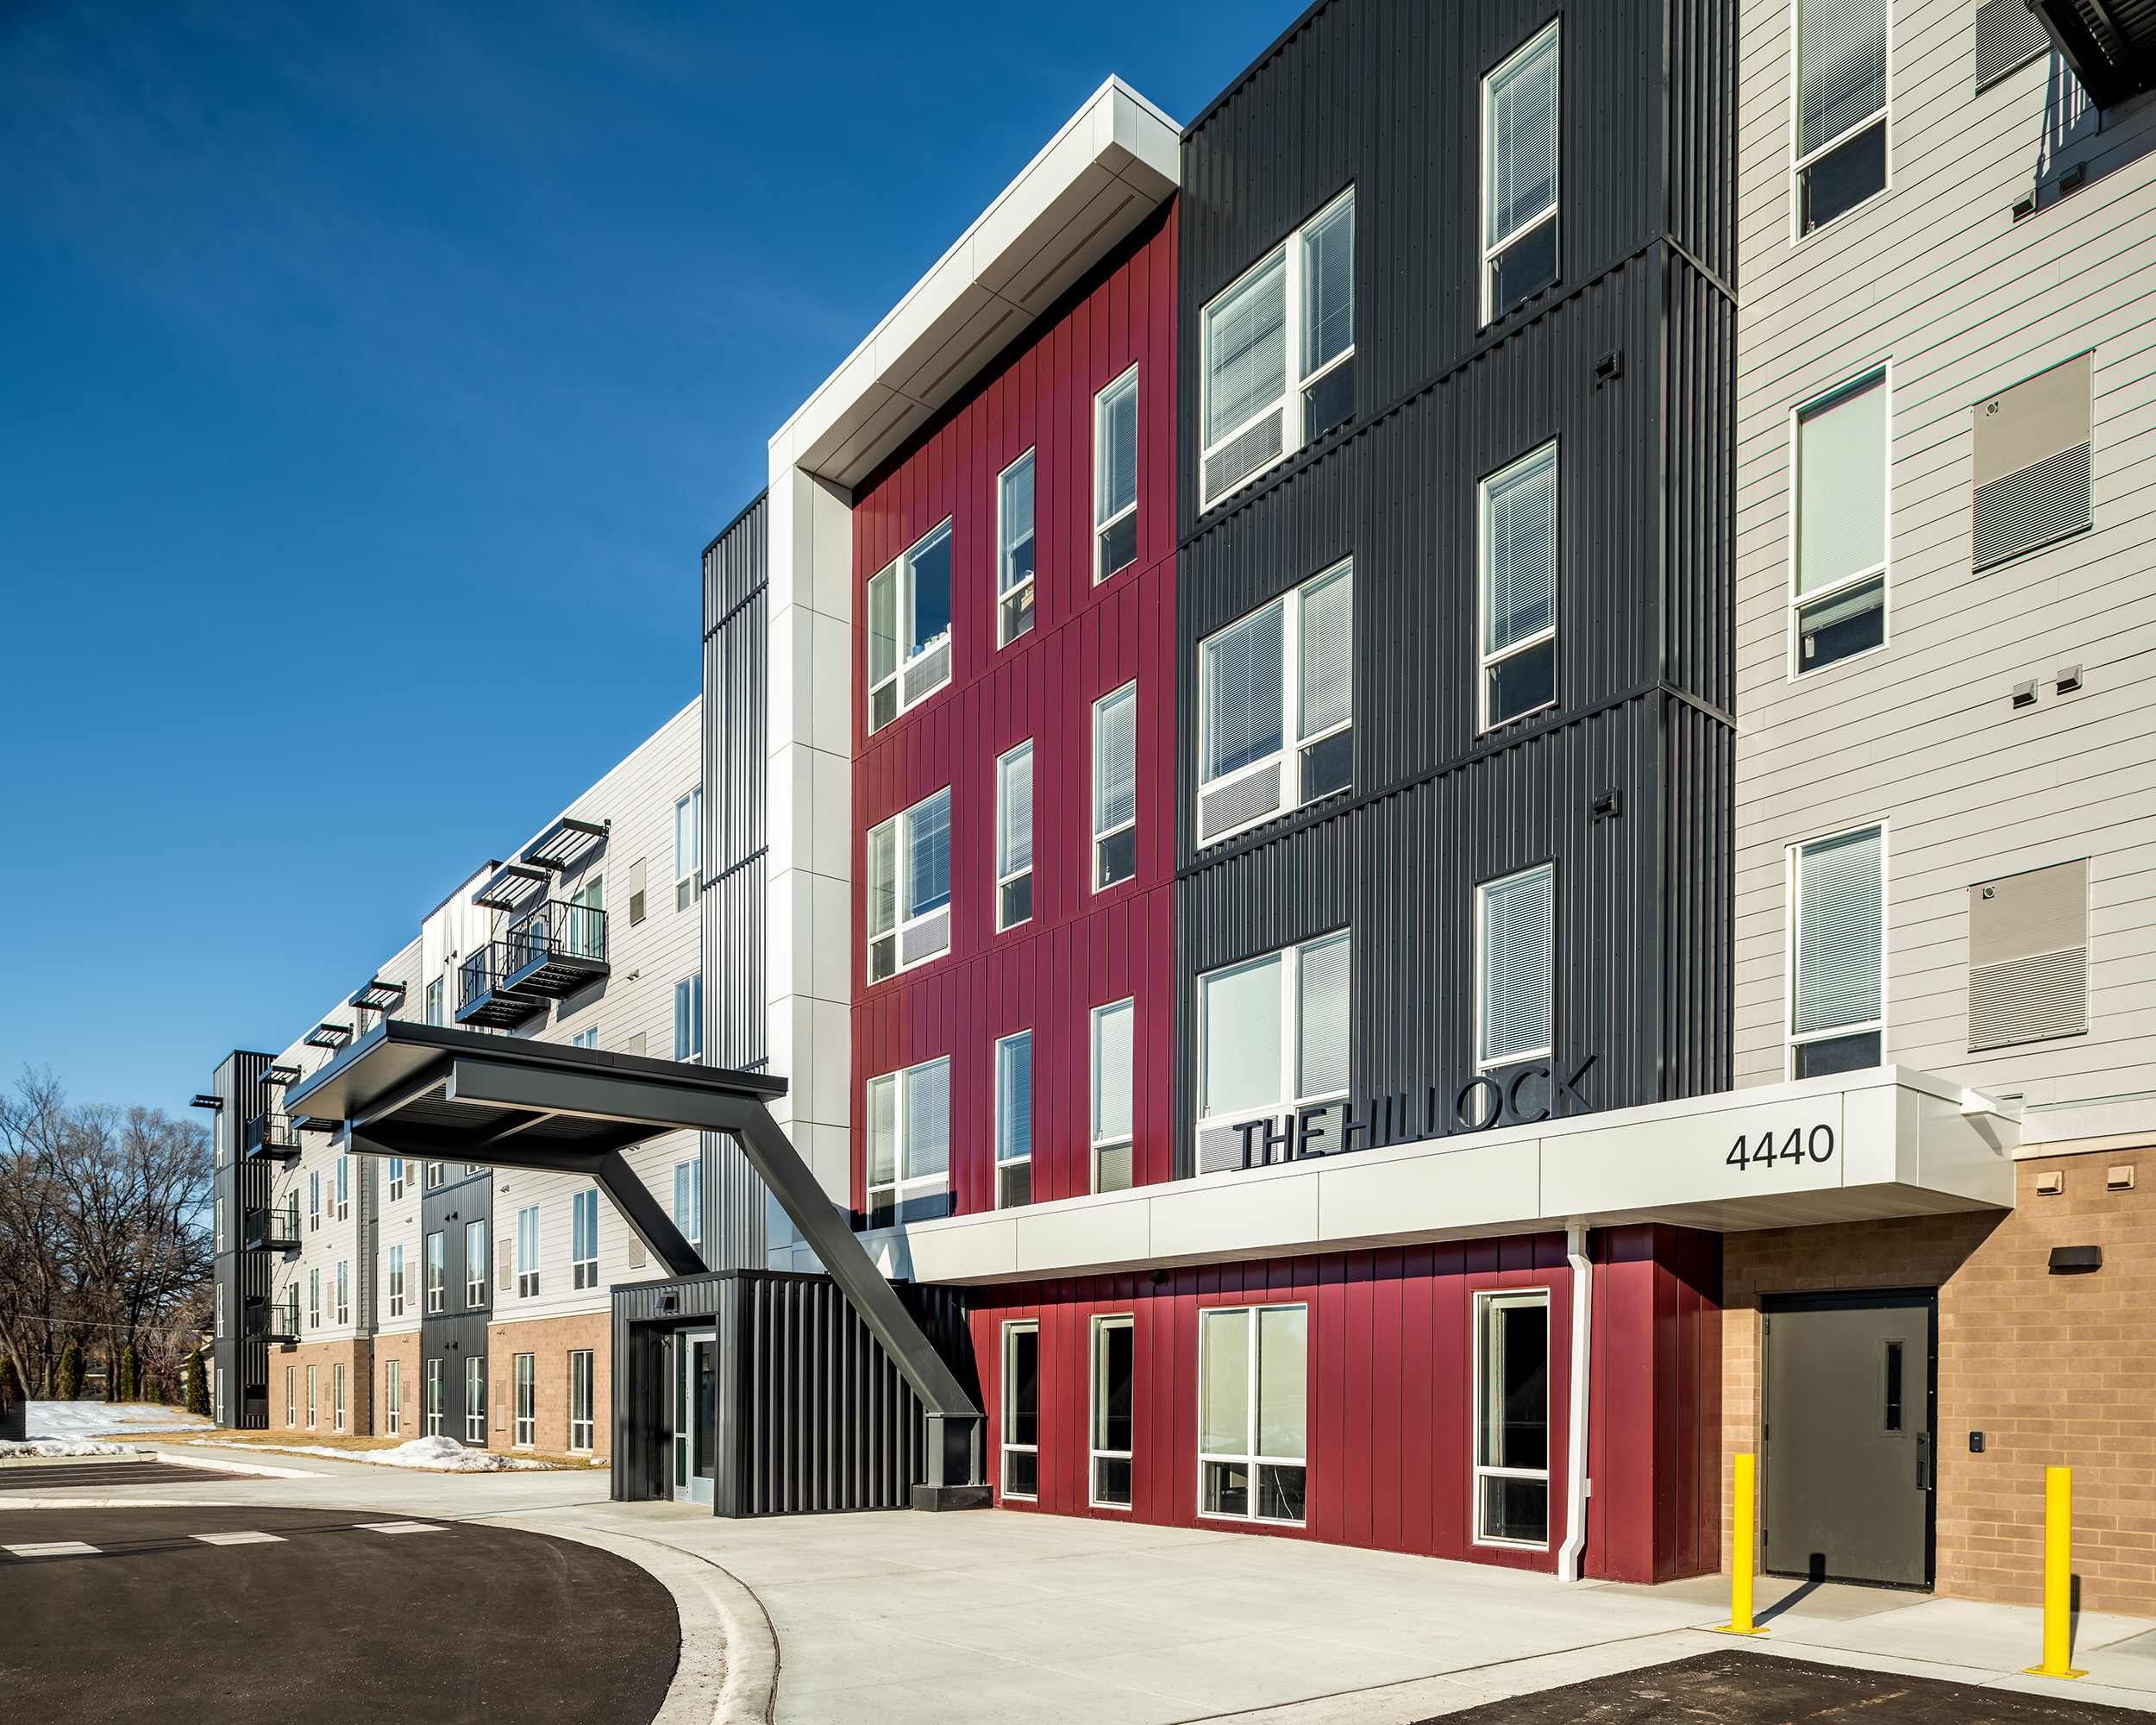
point(55, 1446)
point(65, 1419)
point(437, 1454)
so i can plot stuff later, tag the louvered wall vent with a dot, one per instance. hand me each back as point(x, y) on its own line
point(2008, 37)
point(2028, 956)
point(2033, 461)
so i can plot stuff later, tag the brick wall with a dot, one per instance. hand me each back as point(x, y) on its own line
point(403, 1348)
point(550, 1341)
point(2054, 1368)
point(355, 1355)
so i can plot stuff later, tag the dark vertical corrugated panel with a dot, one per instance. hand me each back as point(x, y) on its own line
point(736, 724)
point(244, 1185)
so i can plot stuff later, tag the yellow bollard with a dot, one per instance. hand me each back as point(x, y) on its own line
point(2059, 1550)
point(1745, 1529)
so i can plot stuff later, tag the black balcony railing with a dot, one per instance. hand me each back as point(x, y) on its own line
point(273, 1137)
point(271, 1321)
point(271, 1231)
point(556, 949)
point(484, 997)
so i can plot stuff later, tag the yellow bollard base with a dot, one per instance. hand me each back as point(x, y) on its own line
point(2045, 1671)
point(1731, 1629)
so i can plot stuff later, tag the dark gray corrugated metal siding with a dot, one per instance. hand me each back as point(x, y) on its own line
point(736, 723)
point(244, 1185)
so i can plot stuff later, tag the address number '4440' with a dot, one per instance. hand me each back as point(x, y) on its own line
point(1817, 1145)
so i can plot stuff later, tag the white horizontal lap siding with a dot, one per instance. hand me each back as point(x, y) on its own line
point(1934, 277)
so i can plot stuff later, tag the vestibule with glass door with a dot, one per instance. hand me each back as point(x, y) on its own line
point(695, 1414)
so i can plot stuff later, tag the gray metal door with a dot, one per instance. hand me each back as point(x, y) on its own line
point(1848, 1440)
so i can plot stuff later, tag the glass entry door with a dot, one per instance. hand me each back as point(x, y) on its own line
point(695, 1414)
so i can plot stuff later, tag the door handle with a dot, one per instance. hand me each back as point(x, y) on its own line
point(1924, 1479)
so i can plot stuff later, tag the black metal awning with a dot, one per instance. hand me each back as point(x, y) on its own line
point(2109, 44)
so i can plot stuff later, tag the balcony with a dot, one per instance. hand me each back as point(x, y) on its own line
point(271, 1231)
point(273, 1137)
point(271, 1321)
point(556, 951)
point(484, 997)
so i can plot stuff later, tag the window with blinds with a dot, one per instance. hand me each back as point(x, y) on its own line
point(1519, 176)
point(1115, 476)
point(909, 886)
point(1276, 708)
point(1114, 1090)
point(1838, 604)
point(2028, 956)
point(1841, 107)
point(1014, 836)
point(1515, 967)
point(1115, 787)
point(2032, 447)
point(1837, 1007)
point(1014, 1120)
point(1273, 1040)
point(2008, 37)
point(909, 1145)
point(1520, 584)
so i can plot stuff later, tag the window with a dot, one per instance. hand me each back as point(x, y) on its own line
point(313, 1198)
point(2033, 446)
point(688, 847)
point(1514, 944)
point(1014, 836)
point(1292, 313)
point(1284, 672)
point(527, 1252)
point(396, 1282)
point(291, 1396)
point(314, 1299)
point(291, 1214)
point(585, 930)
point(688, 1018)
point(527, 1429)
point(393, 1398)
point(1112, 1380)
point(313, 1402)
point(909, 886)
point(396, 1178)
point(1021, 1410)
point(433, 1398)
point(475, 1263)
point(909, 629)
point(436, 1284)
point(1113, 1090)
point(1273, 1036)
point(434, 1002)
point(1512, 1418)
point(218, 1319)
point(909, 1145)
point(474, 1399)
point(1014, 1120)
point(436, 1173)
point(344, 1188)
point(1115, 476)
point(1837, 1008)
point(1250, 1412)
point(336, 1398)
point(1838, 605)
point(1519, 176)
point(581, 1399)
point(584, 1240)
point(291, 1308)
point(1519, 587)
point(1115, 787)
point(688, 1200)
point(344, 1290)
point(1014, 540)
point(1841, 99)
point(220, 1214)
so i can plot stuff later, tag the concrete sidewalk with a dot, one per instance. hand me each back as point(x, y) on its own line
point(996, 1615)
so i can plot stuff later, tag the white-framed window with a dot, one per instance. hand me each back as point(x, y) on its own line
point(526, 1433)
point(436, 1281)
point(1115, 787)
point(1014, 836)
point(688, 847)
point(586, 1037)
point(292, 1396)
point(584, 1238)
point(1512, 1418)
point(436, 1173)
point(1838, 973)
point(688, 1200)
point(1278, 368)
point(1253, 1391)
point(474, 1399)
point(220, 1214)
point(217, 1320)
point(434, 1399)
point(314, 1200)
point(314, 1299)
point(581, 1424)
point(1515, 941)
point(909, 888)
point(1838, 553)
point(1115, 477)
point(528, 1252)
point(393, 1398)
point(344, 1188)
point(1113, 1406)
point(909, 1144)
point(688, 1018)
point(1114, 1088)
point(1276, 706)
point(314, 1401)
point(396, 1178)
point(585, 929)
point(1839, 122)
point(434, 1002)
point(1014, 550)
point(336, 1398)
point(1014, 1120)
point(291, 1214)
point(344, 1290)
point(1022, 1410)
point(1518, 535)
point(292, 1308)
point(1272, 1049)
point(1520, 175)
point(909, 628)
point(396, 1282)
point(475, 1263)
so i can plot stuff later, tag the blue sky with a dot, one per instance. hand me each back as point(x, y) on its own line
point(352, 356)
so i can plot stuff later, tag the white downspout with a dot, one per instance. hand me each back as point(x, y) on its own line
point(1573, 1552)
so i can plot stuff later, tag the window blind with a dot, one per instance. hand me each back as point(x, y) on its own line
point(883, 879)
point(1014, 1097)
point(1328, 285)
point(1115, 760)
point(1242, 694)
point(928, 1119)
point(1322, 1056)
point(1841, 68)
point(1520, 544)
point(1522, 144)
point(1018, 523)
point(1239, 1063)
point(1841, 496)
point(1246, 349)
point(928, 855)
point(1118, 476)
point(1839, 890)
point(1111, 1078)
point(1014, 840)
point(883, 1129)
point(1326, 697)
point(1516, 965)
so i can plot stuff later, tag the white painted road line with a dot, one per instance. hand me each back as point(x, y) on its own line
point(401, 1528)
point(58, 1548)
point(240, 1539)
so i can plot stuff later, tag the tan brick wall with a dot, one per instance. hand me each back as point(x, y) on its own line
point(356, 1355)
point(550, 1341)
point(404, 1349)
point(2054, 1369)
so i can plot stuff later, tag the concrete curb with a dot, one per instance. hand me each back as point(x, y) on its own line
point(729, 1670)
